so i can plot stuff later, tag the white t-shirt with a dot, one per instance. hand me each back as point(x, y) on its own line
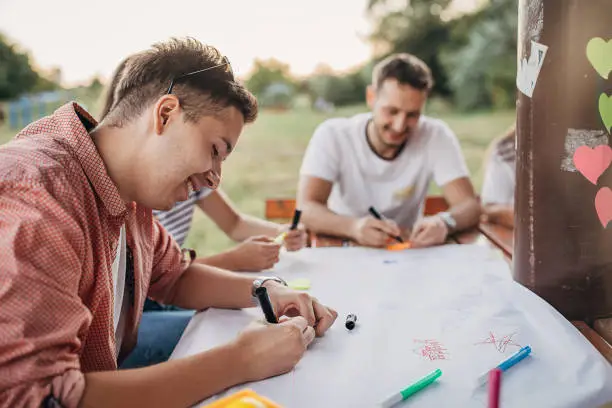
point(499, 181)
point(340, 153)
point(121, 304)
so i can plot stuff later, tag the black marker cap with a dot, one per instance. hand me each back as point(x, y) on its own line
point(351, 319)
point(264, 301)
point(296, 219)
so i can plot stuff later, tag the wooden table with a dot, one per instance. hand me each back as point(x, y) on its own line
point(426, 306)
point(500, 238)
point(503, 238)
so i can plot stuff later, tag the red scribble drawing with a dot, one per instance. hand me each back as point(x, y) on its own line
point(431, 349)
point(501, 343)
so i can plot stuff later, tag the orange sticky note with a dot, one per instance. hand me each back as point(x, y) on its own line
point(399, 246)
point(246, 398)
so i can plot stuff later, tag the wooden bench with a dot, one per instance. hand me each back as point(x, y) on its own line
point(281, 209)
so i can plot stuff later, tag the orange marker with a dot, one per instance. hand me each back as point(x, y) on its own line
point(399, 247)
point(245, 398)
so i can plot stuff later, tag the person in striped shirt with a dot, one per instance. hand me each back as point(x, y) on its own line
point(256, 250)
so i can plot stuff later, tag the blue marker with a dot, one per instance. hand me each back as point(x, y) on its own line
point(506, 364)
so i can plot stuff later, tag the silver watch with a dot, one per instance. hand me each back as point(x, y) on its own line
point(448, 220)
point(261, 279)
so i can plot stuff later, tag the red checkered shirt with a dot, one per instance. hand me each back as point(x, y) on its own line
point(60, 218)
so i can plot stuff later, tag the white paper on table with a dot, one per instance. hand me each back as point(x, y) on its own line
point(460, 296)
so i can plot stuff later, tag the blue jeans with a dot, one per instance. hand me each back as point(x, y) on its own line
point(158, 334)
point(152, 305)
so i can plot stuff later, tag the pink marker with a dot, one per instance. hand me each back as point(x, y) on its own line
point(494, 387)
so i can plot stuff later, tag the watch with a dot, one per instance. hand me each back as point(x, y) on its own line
point(448, 220)
point(261, 279)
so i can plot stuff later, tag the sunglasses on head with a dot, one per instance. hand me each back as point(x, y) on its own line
point(225, 63)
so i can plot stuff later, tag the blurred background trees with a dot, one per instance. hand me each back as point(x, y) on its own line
point(472, 56)
point(471, 51)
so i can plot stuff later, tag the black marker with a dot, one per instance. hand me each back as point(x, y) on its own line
point(264, 301)
point(51, 402)
point(377, 215)
point(350, 321)
point(296, 219)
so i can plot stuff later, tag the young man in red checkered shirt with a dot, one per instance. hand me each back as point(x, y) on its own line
point(80, 249)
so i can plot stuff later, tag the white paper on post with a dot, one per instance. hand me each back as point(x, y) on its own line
point(453, 307)
point(529, 70)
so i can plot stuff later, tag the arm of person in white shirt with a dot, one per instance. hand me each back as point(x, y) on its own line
point(313, 193)
point(463, 203)
point(463, 207)
point(451, 173)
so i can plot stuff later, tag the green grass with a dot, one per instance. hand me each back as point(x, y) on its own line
point(266, 161)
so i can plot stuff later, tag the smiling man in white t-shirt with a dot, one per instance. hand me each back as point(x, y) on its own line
point(387, 159)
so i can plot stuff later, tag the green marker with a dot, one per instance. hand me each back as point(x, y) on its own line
point(413, 389)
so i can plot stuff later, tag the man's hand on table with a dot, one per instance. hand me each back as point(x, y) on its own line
point(368, 231)
point(289, 302)
point(295, 239)
point(255, 254)
point(428, 231)
point(266, 349)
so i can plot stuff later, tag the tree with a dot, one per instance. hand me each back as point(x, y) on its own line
point(266, 73)
point(339, 89)
point(482, 72)
point(16, 73)
point(43, 84)
point(96, 85)
point(472, 56)
point(277, 95)
point(415, 27)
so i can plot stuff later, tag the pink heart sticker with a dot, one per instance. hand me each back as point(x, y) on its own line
point(592, 162)
point(603, 205)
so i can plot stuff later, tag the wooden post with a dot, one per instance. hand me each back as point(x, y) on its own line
point(562, 251)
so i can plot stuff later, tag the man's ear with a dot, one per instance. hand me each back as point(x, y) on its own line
point(370, 96)
point(166, 108)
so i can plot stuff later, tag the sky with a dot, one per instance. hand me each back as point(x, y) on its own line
point(87, 41)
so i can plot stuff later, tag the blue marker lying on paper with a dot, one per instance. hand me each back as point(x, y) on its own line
point(506, 364)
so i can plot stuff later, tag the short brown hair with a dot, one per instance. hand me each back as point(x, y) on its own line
point(145, 76)
point(406, 69)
